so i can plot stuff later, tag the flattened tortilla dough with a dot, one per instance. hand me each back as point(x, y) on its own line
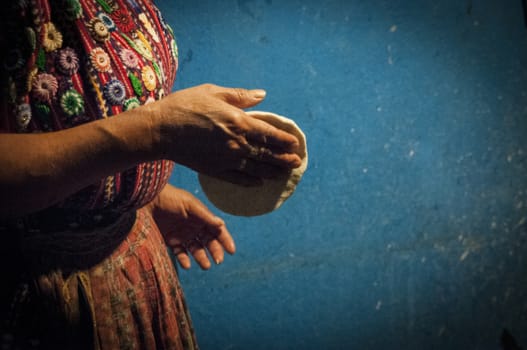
point(252, 201)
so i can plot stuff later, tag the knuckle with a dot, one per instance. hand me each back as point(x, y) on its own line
point(239, 121)
point(209, 87)
point(238, 115)
point(240, 94)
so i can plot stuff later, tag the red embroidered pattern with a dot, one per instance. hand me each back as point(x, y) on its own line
point(89, 280)
point(113, 56)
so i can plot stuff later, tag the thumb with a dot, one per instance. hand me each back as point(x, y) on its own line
point(205, 215)
point(243, 98)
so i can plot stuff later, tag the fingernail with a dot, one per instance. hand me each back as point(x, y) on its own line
point(219, 220)
point(296, 144)
point(217, 261)
point(258, 93)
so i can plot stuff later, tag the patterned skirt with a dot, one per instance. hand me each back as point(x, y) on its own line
point(116, 288)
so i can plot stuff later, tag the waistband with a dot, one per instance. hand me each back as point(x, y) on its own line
point(66, 240)
point(53, 220)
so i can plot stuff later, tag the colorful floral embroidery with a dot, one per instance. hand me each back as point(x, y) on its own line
point(149, 78)
point(37, 16)
point(31, 75)
point(142, 17)
point(23, 116)
point(107, 20)
point(175, 53)
point(159, 71)
point(143, 39)
point(45, 87)
point(52, 37)
point(100, 60)
point(42, 114)
point(166, 25)
point(143, 49)
point(123, 20)
point(129, 58)
point(113, 5)
point(149, 100)
point(99, 96)
point(42, 109)
point(105, 6)
point(115, 92)
point(98, 30)
point(73, 9)
point(136, 84)
point(31, 38)
point(72, 103)
point(50, 85)
point(67, 61)
point(41, 59)
point(131, 103)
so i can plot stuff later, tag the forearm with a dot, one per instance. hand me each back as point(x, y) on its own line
point(39, 170)
point(203, 128)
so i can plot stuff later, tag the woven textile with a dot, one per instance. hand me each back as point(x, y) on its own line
point(131, 299)
point(93, 271)
point(68, 62)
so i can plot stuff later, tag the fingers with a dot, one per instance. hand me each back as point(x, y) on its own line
point(205, 216)
point(279, 159)
point(258, 164)
point(272, 145)
point(239, 177)
point(215, 243)
point(265, 134)
point(182, 256)
point(216, 251)
point(197, 250)
point(218, 246)
point(241, 98)
point(226, 241)
point(260, 169)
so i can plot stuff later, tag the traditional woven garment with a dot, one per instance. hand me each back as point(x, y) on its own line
point(92, 271)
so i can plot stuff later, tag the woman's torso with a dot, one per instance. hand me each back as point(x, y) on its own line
point(69, 62)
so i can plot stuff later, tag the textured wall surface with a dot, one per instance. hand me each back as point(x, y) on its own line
point(409, 229)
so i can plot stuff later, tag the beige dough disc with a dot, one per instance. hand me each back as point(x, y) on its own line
point(251, 201)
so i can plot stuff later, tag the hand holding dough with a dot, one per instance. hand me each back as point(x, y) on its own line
point(257, 200)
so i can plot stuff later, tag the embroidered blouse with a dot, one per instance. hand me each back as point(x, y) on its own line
point(120, 54)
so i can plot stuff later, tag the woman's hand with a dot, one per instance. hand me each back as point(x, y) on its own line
point(205, 129)
point(190, 228)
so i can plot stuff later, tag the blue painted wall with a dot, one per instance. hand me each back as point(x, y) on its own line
point(409, 229)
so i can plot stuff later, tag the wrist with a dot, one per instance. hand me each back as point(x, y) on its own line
point(161, 128)
point(143, 130)
point(152, 117)
point(168, 123)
